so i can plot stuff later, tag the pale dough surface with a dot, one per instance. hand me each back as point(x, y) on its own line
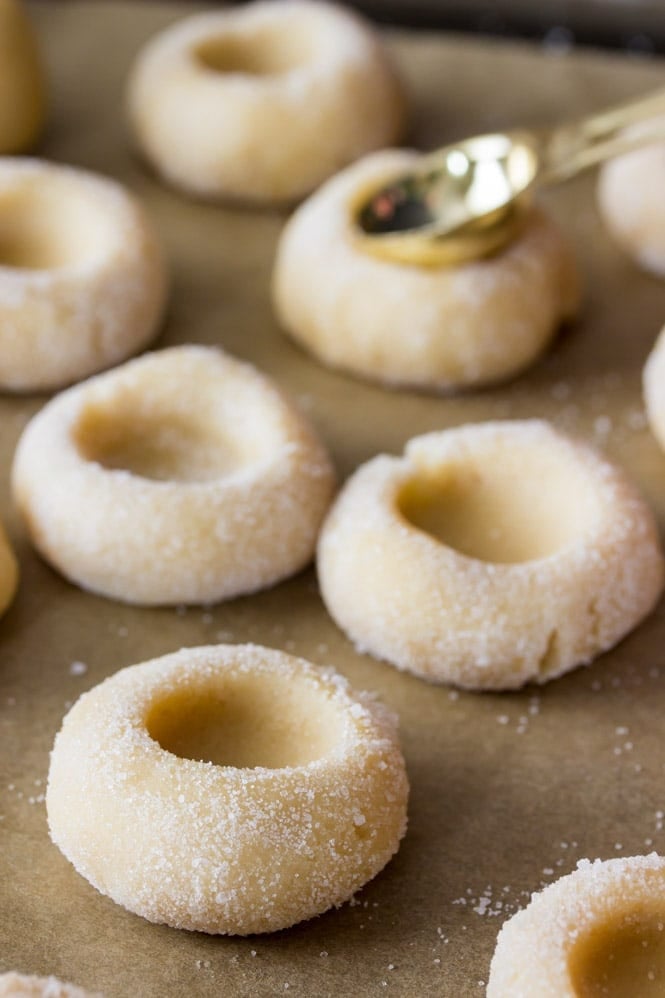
point(654, 389)
point(82, 280)
point(8, 572)
point(438, 328)
point(22, 88)
point(13, 985)
point(630, 198)
point(565, 942)
point(227, 789)
point(264, 102)
point(184, 476)
point(489, 555)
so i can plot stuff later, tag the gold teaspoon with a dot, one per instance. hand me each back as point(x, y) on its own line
point(467, 200)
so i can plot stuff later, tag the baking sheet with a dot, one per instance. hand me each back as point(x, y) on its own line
point(508, 790)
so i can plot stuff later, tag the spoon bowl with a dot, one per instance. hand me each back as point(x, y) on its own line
point(464, 201)
point(467, 200)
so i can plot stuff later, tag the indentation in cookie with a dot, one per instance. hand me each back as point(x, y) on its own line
point(267, 51)
point(45, 224)
point(160, 445)
point(251, 722)
point(622, 957)
point(493, 509)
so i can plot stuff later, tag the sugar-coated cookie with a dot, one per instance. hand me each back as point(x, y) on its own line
point(489, 555)
point(598, 931)
point(182, 477)
point(22, 86)
point(436, 328)
point(232, 789)
point(630, 200)
point(82, 279)
point(13, 985)
point(265, 101)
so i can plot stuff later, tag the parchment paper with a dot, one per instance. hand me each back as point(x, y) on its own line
point(508, 791)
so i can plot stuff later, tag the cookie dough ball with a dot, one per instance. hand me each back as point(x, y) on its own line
point(13, 985)
point(264, 102)
point(22, 91)
point(597, 931)
point(182, 477)
point(489, 556)
point(436, 328)
point(630, 199)
point(82, 281)
point(229, 789)
point(8, 572)
point(654, 389)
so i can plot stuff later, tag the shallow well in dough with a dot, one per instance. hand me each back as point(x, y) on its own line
point(267, 51)
point(622, 957)
point(248, 723)
point(515, 504)
point(158, 445)
point(46, 224)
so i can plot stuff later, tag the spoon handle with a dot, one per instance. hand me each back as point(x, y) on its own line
point(581, 144)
